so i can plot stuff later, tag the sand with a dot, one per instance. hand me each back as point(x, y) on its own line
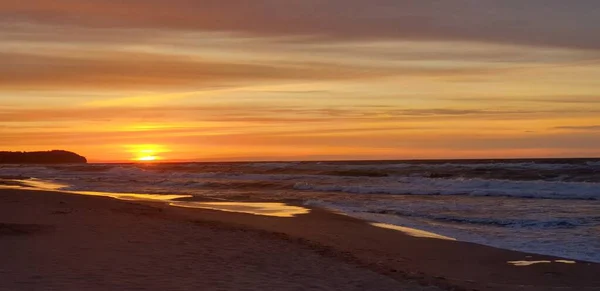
point(55, 241)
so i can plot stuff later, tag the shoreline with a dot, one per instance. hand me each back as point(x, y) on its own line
point(416, 261)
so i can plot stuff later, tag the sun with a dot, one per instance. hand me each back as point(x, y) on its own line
point(146, 152)
point(147, 158)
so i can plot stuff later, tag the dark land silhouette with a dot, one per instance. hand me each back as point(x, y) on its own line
point(46, 157)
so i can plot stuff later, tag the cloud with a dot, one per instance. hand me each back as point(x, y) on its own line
point(119, 70)
point(582, 128)
point(537, 22)
point(560, 99)
point(260, 115)
point(137, 70)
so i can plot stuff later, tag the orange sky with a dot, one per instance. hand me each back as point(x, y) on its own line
point(295, 80)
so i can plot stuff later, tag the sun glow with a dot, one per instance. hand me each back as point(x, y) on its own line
point(147, 158)
point(146, 152)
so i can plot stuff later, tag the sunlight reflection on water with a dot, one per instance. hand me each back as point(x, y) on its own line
point(267, 208)
point(412, 231)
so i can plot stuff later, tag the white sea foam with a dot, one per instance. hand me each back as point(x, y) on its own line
point(472, 187)
point(526, 263)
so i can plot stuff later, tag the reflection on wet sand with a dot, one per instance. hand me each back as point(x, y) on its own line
point(35, 184)
point(132, 197)
point(412, 231)
point(256, 208)
point(267, 208)
point(529, 263)
point(31, 184)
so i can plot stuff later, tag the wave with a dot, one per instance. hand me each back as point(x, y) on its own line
point(573, 170)
point(557, 223)
point(559, 170)
point(471, 187)
point(328, 177)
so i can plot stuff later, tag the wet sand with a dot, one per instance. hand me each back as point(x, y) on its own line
point(54, 241)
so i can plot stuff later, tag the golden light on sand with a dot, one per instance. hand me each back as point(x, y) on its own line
point(412, 231)
point(275, 209)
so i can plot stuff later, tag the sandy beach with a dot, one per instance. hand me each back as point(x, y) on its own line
point(58, 241)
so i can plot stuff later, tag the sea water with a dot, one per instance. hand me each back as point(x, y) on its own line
point(539, 206)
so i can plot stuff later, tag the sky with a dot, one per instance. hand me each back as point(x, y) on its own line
point(205, 80)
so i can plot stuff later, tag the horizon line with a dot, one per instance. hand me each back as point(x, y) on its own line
point(343, 160)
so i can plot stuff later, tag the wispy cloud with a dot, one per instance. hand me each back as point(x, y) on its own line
point(282, 114)
point(580, 128)
point(545, 22)
point(560, 99)
point(132, 71)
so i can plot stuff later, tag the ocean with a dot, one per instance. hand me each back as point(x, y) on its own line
point(549, 206)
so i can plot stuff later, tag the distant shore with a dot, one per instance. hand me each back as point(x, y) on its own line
point(44, 157)
point(73, 242)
